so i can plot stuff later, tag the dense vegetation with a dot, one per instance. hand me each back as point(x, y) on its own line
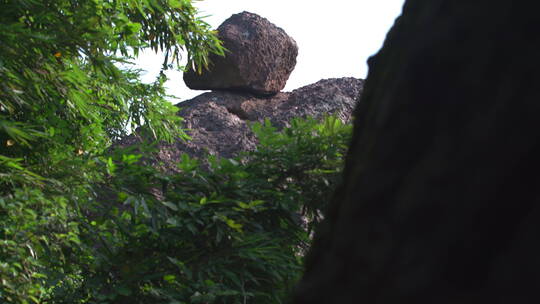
point(81, 222)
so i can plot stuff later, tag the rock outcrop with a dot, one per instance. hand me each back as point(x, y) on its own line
point(218, 122)
point(246, 87)
point(259, 58)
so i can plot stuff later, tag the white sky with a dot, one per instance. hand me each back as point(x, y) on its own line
point(334, 38)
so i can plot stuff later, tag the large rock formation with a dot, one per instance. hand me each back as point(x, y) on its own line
point(218, 122)
point(260, 58)
point(247, 84)
point(441, 198)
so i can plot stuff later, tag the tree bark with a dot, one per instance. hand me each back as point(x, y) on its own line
point(440, 200)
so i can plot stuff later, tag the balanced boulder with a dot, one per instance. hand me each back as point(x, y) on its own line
point(259, 58)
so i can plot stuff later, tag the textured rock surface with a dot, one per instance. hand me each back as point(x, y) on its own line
point(219, 121)
point(260, 59)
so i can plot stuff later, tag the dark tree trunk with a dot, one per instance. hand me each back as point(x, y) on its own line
point(440, 202)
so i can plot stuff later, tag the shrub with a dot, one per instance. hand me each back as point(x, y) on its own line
point(230, 233)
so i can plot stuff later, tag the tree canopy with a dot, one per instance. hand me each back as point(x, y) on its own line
point(66, 93)
point(62, 88)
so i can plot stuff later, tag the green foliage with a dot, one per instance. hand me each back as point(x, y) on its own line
point(231, 233)
point(63, 100)
point(36, 231)
point(61, 87)
point(81, 223)
point(305, 160)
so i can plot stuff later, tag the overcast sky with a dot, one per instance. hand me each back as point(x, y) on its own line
point(334, 38)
